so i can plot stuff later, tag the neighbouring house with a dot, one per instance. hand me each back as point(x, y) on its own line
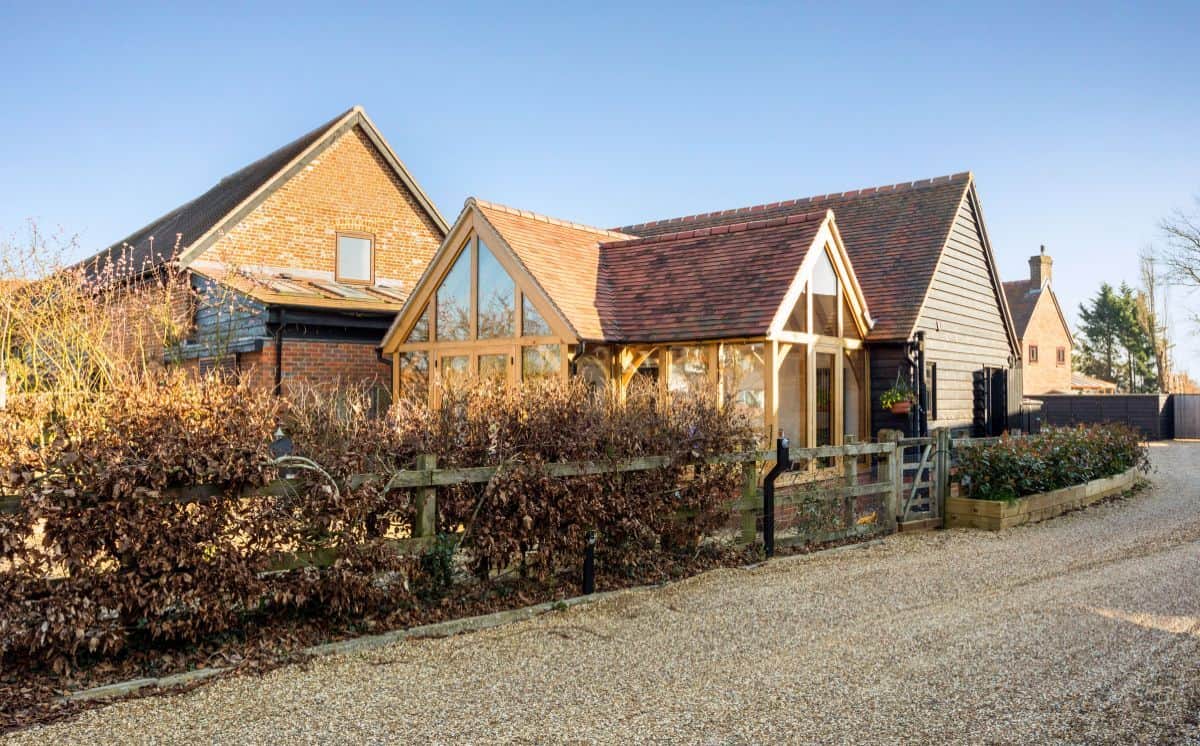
point(1081, 383)
point(767, 304)
point(1042, 329)
point(297, 263)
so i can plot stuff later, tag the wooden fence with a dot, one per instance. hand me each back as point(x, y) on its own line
point(909, 479)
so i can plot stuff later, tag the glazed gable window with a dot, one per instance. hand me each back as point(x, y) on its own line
point(355, 258)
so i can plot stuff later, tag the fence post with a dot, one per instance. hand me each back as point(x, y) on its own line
point(749, 495)
point(894, 475)
point(942, 470)
point(850, 473)
point(425, 523)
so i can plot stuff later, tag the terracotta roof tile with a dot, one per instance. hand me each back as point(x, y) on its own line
point(563, 257)
point(893, 234)
point(1022, 300)
point(706, 283)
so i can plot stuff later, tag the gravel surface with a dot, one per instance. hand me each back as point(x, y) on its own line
point(1084, 629)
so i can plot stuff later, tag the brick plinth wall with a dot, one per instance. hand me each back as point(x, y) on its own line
point(317, 363)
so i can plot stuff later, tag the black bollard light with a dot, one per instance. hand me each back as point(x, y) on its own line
point(782, 464)
point(589, 564)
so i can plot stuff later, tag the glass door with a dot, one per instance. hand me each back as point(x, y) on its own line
point(826, 396)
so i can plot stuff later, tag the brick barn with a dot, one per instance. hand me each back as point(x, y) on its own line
point(297, 263)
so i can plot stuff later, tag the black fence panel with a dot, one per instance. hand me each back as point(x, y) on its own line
point(1151, 414)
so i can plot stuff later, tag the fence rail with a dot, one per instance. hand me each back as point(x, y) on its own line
point(901, 470)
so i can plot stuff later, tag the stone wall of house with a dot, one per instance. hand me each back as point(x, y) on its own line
point(348, 187)
point(1046, 331)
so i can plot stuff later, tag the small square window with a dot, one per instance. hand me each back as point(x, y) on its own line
point(355, 258)
point(1060, 356)
point(1033, 353)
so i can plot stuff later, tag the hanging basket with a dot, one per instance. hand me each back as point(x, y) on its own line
point(902, 407)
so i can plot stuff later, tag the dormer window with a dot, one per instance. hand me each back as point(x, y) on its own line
point(355, 258)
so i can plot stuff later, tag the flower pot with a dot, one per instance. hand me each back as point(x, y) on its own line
point(901, 407)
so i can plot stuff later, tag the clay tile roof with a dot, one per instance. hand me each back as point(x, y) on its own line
point(163, 239)
point(1022, 298)
point(711, 282)
point(563, 257)
point(894, 236)
point(705, 283)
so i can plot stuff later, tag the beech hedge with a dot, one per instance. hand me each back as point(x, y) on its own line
point(112, 546)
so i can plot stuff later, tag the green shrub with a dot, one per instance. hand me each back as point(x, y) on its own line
point(1051, 460)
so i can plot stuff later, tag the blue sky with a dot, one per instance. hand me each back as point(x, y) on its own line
point(1080, 122)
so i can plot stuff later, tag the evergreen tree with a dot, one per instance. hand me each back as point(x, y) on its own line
point(1113, 342)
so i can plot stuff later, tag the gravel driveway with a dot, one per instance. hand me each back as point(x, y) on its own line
point(1083, 629)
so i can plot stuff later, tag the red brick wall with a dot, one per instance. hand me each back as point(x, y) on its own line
point(316, 362)
point(347, 188)
point(1046, 330)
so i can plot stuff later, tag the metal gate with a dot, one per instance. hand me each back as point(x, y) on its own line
point(1187, 415)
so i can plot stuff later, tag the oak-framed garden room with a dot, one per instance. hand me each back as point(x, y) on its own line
point(768, 315)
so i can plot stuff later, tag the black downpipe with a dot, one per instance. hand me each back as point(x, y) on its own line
point(922, 389)
point(782, 464)
point(279, 352)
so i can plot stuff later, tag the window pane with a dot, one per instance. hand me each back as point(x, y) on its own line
point(852, 377)
point(798, 320)
point(454, 300)
point(849, 328)
point(742, 374)
point(414, 376)
point(420, 330)
point(824, 289)
point(793, 395)
point(540, 361)
point(689, 369)
point(532, 323)
point(455, 369)
point(493, 368)
point(496, 293)
point(353, 258)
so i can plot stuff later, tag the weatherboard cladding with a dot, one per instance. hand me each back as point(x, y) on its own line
point(894, 236)
point(963, 321)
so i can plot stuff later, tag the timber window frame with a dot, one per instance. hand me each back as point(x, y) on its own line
point(1060, 356)
point(1033, 354)
point(337, 257)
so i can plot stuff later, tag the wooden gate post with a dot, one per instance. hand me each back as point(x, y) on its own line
point(894, 475)
point(942, 471)
point(425, 522)
point(749, 498)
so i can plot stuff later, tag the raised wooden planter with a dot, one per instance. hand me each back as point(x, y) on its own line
point(993, 515)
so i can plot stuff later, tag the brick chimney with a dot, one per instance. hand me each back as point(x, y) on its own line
point(1039, 269)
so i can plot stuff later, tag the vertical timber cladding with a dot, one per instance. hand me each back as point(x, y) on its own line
point(964, 322)
point(1187, 415)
